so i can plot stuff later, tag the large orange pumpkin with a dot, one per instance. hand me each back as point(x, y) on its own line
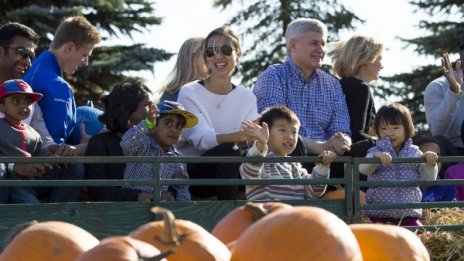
point(231, 226)
point(299, 233)
point(190, 241)
point(388, 242)
point(49, 241)
point(123, 248)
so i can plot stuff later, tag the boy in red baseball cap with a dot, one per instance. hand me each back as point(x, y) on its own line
point(17, 139)
point(16, 97)
point(21, 140)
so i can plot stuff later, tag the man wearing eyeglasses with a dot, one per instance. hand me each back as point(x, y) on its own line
point(444, 104)
point(17, 46)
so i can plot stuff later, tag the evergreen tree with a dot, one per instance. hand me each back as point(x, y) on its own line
point(444, 24)
point(264, 22)
point(114, 18)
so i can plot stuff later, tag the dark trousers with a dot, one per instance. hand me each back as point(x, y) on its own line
point(3, 190)
point(216, 171)
point(61, 194)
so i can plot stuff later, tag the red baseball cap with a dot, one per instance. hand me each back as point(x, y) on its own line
point(18, 86)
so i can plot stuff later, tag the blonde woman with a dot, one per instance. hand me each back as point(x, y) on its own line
point(190, 66)
point(358, 61)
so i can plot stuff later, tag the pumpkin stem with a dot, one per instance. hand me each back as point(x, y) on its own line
point(256, 209)
point(161, 255)
point(170, 235)
point(16, 230)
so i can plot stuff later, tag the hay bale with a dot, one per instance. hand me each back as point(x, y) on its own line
point(444, 245)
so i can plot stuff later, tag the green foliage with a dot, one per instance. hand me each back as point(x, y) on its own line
point(265, 22)
point(444, 25)
point(114, 18)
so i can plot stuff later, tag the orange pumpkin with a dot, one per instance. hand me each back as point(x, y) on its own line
point(231, 226)
point(189, 240)
point(299, 233)
point(123, 248)
point(340, 194)
point(388, 242)
point(49, 241)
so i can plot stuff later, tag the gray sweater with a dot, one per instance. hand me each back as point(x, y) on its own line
point(20, 140)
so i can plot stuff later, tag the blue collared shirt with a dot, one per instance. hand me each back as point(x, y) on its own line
point(319, 102)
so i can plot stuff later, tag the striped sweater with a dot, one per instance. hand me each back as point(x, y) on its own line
point(277, 170)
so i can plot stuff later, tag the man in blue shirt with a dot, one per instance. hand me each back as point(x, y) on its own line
point(314, 95)
point(72, 45)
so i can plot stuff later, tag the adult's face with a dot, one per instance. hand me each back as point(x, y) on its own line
point(76, 57)
point(221, 64)
point(371, 70)
point(14, 59)
point(307, 51)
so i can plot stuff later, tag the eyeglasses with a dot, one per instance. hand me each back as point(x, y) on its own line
point(213, 50)
point(24, 53)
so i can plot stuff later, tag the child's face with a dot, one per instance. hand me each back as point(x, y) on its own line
point(168, 129)
point(16, 107)
point(283, 137)
point(396, 133)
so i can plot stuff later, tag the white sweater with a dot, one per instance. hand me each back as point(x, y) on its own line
point(217, 114)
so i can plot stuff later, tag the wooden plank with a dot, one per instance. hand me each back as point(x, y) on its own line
point(103, 219)
point(100, 219)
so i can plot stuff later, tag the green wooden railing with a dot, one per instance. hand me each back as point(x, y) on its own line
point(119, 218)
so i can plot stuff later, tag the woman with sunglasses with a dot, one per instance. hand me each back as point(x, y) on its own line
point(221, 107)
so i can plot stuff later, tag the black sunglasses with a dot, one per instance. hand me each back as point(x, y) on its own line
point(213, 50)
point(24, 53)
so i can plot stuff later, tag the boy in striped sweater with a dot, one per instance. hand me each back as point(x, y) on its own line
point(276, 135)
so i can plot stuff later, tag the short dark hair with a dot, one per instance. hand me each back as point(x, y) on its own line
point(276, 113)
point(395, 114)
point(10, 30)
point(121, 102)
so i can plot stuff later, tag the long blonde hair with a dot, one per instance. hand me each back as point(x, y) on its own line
point(348, 56)
point(185, 70)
